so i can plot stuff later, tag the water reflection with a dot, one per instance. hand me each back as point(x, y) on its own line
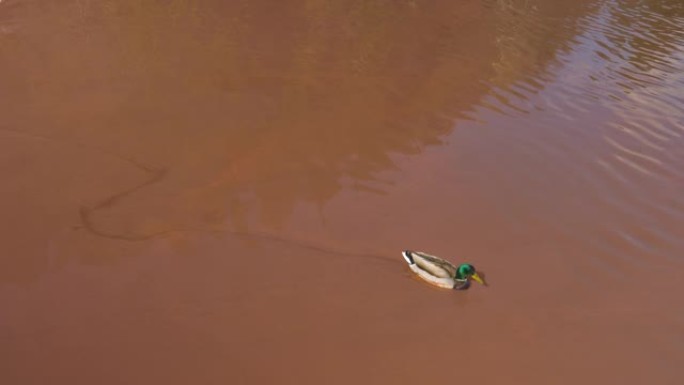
point(606, 116)
point(247, 110)
point(530, 36)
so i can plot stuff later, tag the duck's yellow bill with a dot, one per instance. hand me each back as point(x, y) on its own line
point(477, 279)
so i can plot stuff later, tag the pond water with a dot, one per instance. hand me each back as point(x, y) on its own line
point(210, 192)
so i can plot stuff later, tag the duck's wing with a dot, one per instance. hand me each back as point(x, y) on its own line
point(431, 264)
point(446, 283)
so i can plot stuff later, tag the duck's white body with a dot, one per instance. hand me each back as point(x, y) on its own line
point(434, 270)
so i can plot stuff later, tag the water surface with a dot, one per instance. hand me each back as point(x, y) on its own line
point(201, 192)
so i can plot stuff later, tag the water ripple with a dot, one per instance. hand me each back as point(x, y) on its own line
point(609, 116)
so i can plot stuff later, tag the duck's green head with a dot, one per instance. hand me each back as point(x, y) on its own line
point(467, 271)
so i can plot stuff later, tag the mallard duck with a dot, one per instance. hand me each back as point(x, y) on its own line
point(441, 273)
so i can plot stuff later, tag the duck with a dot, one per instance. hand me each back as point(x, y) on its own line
point(440, 272)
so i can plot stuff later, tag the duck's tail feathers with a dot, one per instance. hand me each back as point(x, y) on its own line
point(408, 257)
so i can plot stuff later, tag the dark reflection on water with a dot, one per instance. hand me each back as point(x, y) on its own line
point(249, 108)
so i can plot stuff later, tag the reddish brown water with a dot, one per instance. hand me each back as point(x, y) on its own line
point(217, 192)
